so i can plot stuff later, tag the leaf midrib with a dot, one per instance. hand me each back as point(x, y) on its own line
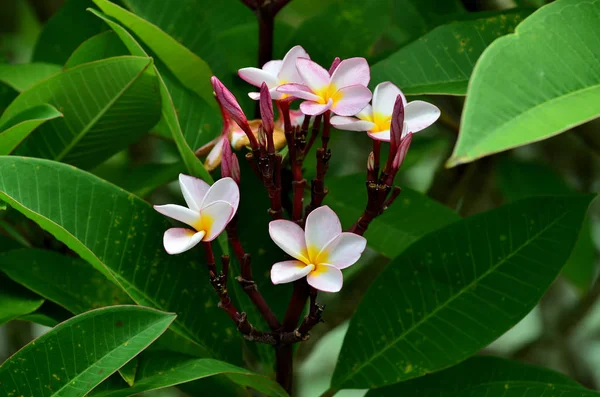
point(446, 303)
point(101, 113)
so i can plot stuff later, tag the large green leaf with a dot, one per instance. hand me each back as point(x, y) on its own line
point(179, 108)
point(68, 281)
point(22, 77)
point(412, 215)
point(457, 289)
point(535, 83)
point(529, 389)
point(23, 124)
point(476, 372)
point(441, 62)
point(71, 359)
point(16, 301)
point(120, 235)
point(189, 68)
point(106, 106)
point(157, 370)
point(101, 46)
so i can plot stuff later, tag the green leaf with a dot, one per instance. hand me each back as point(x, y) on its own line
point(475, 373)
point(23, 124)
point(16, 301)
point(441, 62)
point(457, 289)
point(70, 282)
point(71, 359)
point(100, 118)
point(101, 46)
point(412, 215)
point(40, 318)
point(128, 371)
point(120, 235)
point(529, 389)
point(179, 107)
point(65, 31)
point(525, 90)
point(157, 370)
point(23, 77)
point(189, 69)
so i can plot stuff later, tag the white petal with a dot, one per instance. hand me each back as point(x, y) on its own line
point(351, 71)
point(214, 218)
point(288, 72)
point(257, 76)
point(343, 251)
point(273, 67)
point(384, 135)
point(288, 271)
point(179, 213)
point(225, 189)
point(178, 240)
point(384, 98)
point(322, 226)
point(366, 114)
point(313, 74)
point(350, 100)
point(290, 238)
point(326, 278)
point(351, 124)
point(193, 189)
point(299, 91)
point(420, 115)
point(254, 95)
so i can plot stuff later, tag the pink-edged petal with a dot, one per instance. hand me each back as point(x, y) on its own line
point(275, 95)
point(384, 97)
point(296, 117)
point(326, 278)
point(313, 74)
point(254, 95)
point(290, 238)
point(178, 240)
point(257, 76)
point(179, 213)
point(273, 67)
point(213, 160)
point(193, 189)
point(351, 71)
point(419, 115)
point(351, 124)
point(299, 91)
point(350, 100)
point(288, 72)
point(214, 218)
point(322, 226)
point(288, 271)
point(225, 189)
point(314, 109)
point(343, 251)
point(384, 135)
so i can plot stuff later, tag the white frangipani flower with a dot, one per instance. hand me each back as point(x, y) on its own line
point(320, 251)
point(210, 208)
point(275, 73)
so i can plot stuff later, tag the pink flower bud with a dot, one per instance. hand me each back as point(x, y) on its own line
point(402, 150)
point(267, 116)
point(371, 162)
point(230, 167)
point(227, 100)
point(336, 62)
point(397, 125)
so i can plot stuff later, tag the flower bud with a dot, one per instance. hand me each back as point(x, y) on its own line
point(230, 167)
point(397, 125)
point(336, 62)
point(371, 162)
point(267, 116)
point(227, 100)
point(402, 150)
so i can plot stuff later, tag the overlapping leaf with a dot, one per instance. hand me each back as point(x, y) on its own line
point(101, 46)
point(555, 86)
point(158, 370)
point(74, 357)
point(18, 128)
point(106, 106)
point(441, 62)
point(481, 373)
point(22, 77)
point(16, 301)
point(457, 289)
point(120, 235)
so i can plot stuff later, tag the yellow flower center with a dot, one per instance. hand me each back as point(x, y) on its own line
point(382, 122)
point(327, 93)
point(204, 224)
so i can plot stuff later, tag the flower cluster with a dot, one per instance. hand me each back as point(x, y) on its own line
point(312, 235)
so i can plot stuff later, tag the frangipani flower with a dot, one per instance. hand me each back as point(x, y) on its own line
point(210, 208)
point(320, 251)
point(275, 73)
point(376, 119)
point(345, 92)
